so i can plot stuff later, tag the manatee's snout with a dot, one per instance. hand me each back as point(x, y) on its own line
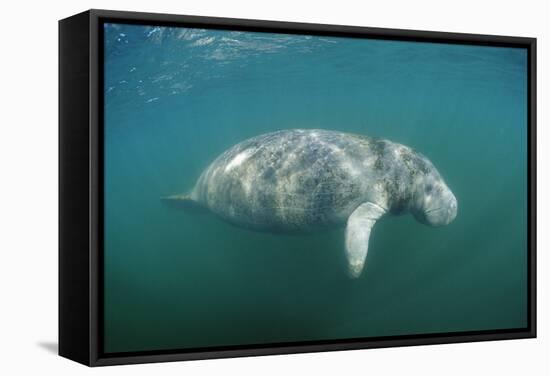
point(437, 205)
point(452, 211)
point(443, 214)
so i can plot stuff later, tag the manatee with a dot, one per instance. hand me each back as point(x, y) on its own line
point(302, 180)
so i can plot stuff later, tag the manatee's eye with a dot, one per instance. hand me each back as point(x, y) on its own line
point(429, 188)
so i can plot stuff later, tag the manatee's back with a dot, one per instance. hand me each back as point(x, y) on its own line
point(286, 180)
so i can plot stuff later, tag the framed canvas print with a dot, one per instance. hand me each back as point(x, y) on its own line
point(236, 187)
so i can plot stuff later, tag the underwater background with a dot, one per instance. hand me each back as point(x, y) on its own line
point(175, 98)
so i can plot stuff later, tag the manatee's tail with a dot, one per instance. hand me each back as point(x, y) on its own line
point(182, 201)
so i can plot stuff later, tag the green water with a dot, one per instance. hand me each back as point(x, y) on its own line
point(176, 98)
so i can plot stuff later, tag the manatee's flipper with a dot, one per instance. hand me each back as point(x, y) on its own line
point(182, 201)
point(358, 229)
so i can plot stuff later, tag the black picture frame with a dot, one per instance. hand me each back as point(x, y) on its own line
point(81, 179)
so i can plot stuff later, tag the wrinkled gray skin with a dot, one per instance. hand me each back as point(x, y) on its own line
point(307, 179)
